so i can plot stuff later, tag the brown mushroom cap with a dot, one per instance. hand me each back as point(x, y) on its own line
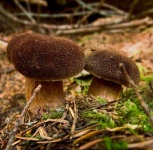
point(43, 57)
point(105, 64)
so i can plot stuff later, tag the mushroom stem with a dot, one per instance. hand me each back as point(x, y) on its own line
point(105, 89)
point(51, 95)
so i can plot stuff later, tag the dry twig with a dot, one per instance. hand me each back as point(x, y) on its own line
point(133, 5)
point(37, 2)
point(24, 11)
point(12, 17)
point(12, 135)
point(119, 11)
point(141, 145)
point(116, 23)
point(74, 119)
point(89, 7)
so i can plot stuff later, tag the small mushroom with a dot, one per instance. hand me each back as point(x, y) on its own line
point(47, 61)
point(108, 77)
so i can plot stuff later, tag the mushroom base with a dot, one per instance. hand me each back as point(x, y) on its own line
point(105, 89)
point(51, 96)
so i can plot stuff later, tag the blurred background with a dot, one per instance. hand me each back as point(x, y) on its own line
point(70, 16)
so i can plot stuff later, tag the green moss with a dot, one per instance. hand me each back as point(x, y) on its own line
point(147, 78)
point(131, 112)
point(39, 137)
point(109, 144)
point(150, 104)
point(28, 135)
point(83, 81)
point(97, 117)
point(54, 114)
point(143, 71)
point(127, 112)
point(85, 39)
point(100, 100)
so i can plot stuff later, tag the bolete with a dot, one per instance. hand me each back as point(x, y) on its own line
point(108, 78)
point(45, 60)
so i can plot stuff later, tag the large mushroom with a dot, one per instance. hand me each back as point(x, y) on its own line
point(47, 61)
point(108, 78)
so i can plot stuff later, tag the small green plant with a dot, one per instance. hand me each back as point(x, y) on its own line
point(84, 82)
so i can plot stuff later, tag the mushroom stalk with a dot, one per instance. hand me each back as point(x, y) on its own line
point(51, 95)
point(106, 89)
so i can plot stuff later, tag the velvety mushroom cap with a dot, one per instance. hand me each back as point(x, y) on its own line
point(43, 57)
point(105, 64)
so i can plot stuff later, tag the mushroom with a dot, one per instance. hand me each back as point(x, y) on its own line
point(45, 60)
point(108, 78)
